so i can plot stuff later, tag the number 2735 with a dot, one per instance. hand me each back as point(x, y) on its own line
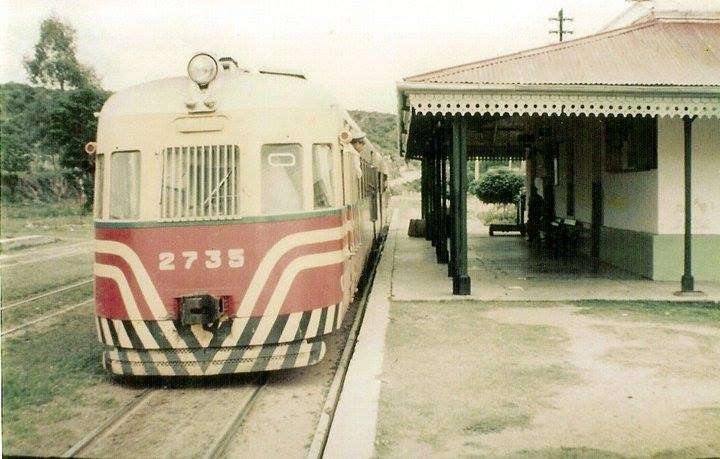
point(212, 259)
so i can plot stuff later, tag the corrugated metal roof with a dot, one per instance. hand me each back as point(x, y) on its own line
point(657, 53)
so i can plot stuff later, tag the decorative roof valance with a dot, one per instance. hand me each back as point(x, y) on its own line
point(547, 103)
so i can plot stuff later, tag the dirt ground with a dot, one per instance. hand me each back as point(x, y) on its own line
point(549, 380)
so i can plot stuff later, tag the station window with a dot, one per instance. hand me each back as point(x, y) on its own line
point(323, 176)
point(99, 181)
point(281, 178)
point(125, 185)
point(631, 144)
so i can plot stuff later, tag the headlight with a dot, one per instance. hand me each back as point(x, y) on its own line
point(202, 69)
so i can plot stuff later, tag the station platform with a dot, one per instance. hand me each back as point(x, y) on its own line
point(502, 269)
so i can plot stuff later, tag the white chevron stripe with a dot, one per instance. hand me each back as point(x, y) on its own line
point(291, 327)
point(116, 274)
point(315, 260)
point(144, 334)
point(137, 366)
point(239, 324)
point(97, 328)
point(203, 336)
point(263, 330)
point(271, 258)
point(314, 323)
point(173, 337)
point(329, 319)
point(122, 336)
point(152, 298)
point(106, 331)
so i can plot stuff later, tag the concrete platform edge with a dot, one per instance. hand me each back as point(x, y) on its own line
point(352, 434)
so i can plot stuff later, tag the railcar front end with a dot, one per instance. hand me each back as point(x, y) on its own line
point(231, 224)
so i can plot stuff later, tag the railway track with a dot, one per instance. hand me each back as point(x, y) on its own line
point(48, 293)
point(45, 317)
point(239, 401)
point(320, 438)
point(133, 408)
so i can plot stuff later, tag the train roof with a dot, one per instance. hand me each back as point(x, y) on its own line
point(231, 90)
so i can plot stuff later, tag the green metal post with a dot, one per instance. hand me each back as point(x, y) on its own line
point(448, 145)
point(430, 217)
point(441, 245)
point(688, 282)
point(423, 188)
point(461, 280)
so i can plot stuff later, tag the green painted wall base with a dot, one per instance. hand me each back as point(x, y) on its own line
point(660, 256)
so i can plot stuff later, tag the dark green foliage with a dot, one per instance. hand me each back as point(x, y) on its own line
point(54, 64)
point(498, 186)
point(73, 124)
point(44, 129)
point(43, 132)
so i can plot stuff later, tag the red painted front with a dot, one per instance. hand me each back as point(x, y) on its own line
point(312, 288)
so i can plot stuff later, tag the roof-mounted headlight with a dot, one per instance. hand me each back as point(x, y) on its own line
point(202, 69)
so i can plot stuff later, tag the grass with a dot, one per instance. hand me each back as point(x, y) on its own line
point(697, 312)
point(24, 280)
point(24, 312)
point(499, 422)
point(451, 375)
point(57, 361)
point(62, 219)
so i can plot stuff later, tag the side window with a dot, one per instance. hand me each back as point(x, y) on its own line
point(99, 182)
point(324, 195)
point(281, 178)
point(125, 185)
point(631, 144)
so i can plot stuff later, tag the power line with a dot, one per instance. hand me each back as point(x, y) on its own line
point(561, 20)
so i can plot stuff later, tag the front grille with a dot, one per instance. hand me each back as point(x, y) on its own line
point(200, 183)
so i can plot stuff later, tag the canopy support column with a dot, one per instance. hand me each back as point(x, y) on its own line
point(424, 188)
point(441, 250)
point(458, 192)
point(688, 282)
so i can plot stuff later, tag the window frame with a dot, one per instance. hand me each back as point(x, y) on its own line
point(138, 178)
point(330, 161)
point(638, 136)
point(299, 164)
point(99, 186)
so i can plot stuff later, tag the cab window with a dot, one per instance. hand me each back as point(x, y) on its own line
point(125, 185)
point(99, 181)
point(281, 178)
point(322, 176)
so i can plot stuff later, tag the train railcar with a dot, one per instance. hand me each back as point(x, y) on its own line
point(233, 219)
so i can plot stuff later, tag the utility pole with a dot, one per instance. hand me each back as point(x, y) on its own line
point(561, 30)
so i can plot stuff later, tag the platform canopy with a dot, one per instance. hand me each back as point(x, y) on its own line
point(641, 69)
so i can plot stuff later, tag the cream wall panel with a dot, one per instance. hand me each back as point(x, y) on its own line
point(706, 176)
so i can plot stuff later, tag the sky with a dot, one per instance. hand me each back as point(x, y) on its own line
point(355, 49)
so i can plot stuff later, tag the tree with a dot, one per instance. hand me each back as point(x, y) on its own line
point(55, 64)
point(72, 124)
point(498, 186)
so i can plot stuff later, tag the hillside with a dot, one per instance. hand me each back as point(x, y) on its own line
point(382, 130)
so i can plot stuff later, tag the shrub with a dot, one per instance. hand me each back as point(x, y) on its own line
point(498, 186)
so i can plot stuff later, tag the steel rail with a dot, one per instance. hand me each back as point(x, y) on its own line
point(116, 419)
point(219, 446)
point(46, 294)
point(317, 447)
point(46, 317)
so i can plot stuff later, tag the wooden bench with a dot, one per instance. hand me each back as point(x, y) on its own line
point(564, 235)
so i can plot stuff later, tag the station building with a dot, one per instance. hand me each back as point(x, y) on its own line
point(620, 131)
